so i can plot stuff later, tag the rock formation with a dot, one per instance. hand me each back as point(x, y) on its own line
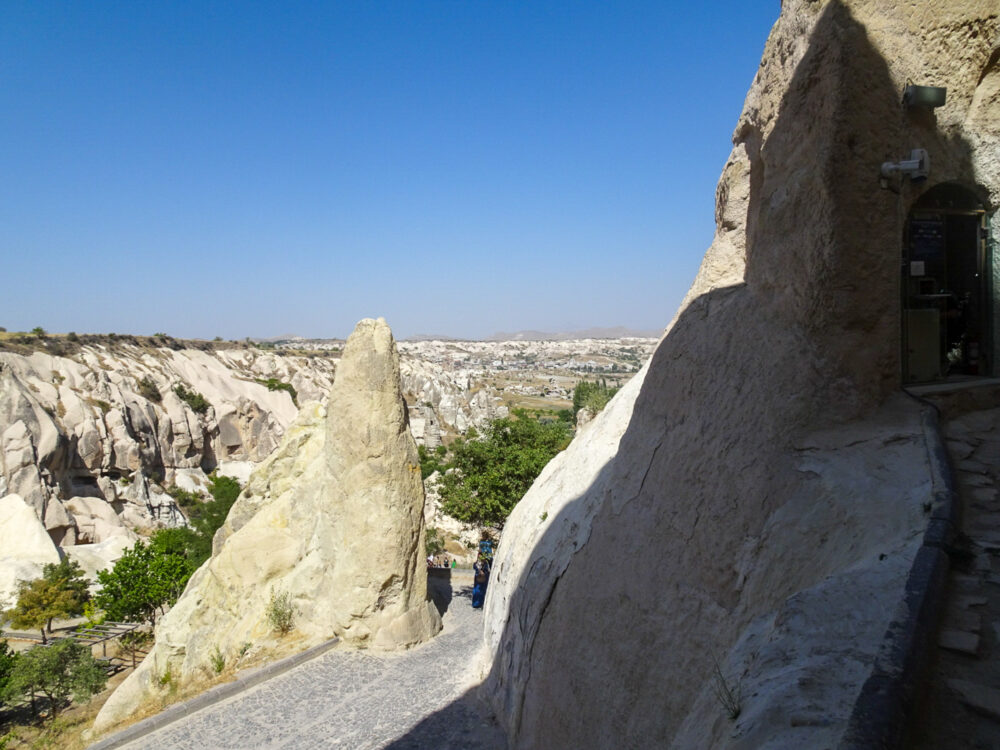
point(25, 547)
point(74, 426)
point(333, 519)
point(90, 440)
point(754, 497)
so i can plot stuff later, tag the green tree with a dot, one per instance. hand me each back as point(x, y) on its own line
point(58, 671)
point(592, 395)
point(430, 462)
point(60, 592)
point(208, 518)
point(492, 474)
point(7, 659)
point(146, 579)
point(205, 518)
point(70, 578)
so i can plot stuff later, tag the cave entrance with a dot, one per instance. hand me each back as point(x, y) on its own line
point(947, 288)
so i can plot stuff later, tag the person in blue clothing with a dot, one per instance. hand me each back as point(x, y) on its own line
point(481, 576)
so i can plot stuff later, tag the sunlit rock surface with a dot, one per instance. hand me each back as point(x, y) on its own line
point(334, 519)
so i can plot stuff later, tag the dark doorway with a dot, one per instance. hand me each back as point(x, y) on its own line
point(946, 288)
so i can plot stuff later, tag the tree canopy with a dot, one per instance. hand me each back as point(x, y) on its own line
point(60, 592)
point(7, 659)
point(490, 475)
point(592, 395)
point(59, 671)
point(147, 578)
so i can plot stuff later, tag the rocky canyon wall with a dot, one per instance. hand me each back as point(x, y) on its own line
point(753, 499)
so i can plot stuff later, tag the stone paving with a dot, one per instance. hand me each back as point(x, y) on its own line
point(357, 699)
point(962, 706)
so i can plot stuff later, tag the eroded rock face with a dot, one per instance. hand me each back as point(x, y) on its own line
point(74, 426)
point(379, 583)
point(333, 519)
point(755, 495)
point(25, 547)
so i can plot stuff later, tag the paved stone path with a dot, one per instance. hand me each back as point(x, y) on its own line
point(962, 708)
point(356, 699)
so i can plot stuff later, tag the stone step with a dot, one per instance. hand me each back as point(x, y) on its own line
point(981, 699)
point(969, 600)
point(971, 465)
point(959, 641)
point(962, 620)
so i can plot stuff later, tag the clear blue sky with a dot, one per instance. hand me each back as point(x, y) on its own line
point(461, 167)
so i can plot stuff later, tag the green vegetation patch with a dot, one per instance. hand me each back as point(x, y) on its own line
point(148, 389)
point(492, 474)
point(198, 403)
point(273, 384)
point(592, 395)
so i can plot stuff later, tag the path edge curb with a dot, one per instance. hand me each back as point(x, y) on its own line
point(884, 705)
point(214, 695)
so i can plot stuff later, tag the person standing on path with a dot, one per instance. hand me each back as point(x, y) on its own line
point(481, 576)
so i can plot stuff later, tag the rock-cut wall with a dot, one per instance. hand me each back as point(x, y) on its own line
point(746, 510)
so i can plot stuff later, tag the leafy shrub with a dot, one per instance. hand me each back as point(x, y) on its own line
point(592, 395)
point(218, 660)
point(429, 463)
point(198, 403)
point(205, 518)
point(167, 678)
point(71, 336)
point(273, 384)
point(184, 498)
point(281, 612)
point(148, 389)
point(39, 332)
point(92, 616)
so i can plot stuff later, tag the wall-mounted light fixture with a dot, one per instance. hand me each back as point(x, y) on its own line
point(917, 167)
point(924, 96)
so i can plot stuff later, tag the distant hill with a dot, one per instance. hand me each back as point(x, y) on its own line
point(616, 332)
point(430, 337)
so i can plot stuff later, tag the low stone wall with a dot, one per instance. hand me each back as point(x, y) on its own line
point(883, 708)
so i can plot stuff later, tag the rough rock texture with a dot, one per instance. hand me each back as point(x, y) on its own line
point(83, 437)
point(334, 519)
point(764, 481)
point(24, 547)
point(73, 426)
point(450, 396)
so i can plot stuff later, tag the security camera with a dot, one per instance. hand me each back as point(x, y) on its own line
point(917, 167)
